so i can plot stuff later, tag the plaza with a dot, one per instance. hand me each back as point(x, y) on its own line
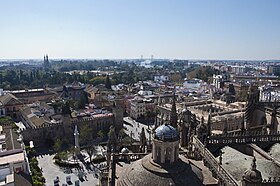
point(88, 174)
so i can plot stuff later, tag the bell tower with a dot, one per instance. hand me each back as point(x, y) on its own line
point(173, 117)
point(118, 114)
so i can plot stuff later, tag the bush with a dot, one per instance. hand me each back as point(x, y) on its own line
point(36, 173)
point(30, 152)
point(7, 120)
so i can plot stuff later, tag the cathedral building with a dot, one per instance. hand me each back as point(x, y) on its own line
point(164, 166)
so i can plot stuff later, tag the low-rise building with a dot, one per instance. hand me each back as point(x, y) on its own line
point(43, 125)
point(14, 168)
point(10, 106)
point(273, 69)
point(28, 96)
point(217, 80)
point(69, 91)
point(139, 106)
point(161, 78)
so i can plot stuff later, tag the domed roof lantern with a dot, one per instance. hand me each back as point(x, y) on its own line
point(252, 175)
point(166, 132)
point(125, 150)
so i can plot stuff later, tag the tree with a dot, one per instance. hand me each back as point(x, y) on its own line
point(241, 96)
point(108, 83)
point(83, 101)
point(100, 135)
point(66, 108)
point(97, 80)
point(31, 152)
point(176, 78)
point(86, 135)
point(88, 141)
point(203, 73)
point(57, 145)
point(7, 120)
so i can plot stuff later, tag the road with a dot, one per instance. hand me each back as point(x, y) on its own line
point(135, 128)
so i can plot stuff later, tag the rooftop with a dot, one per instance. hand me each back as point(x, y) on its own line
point(17, 157)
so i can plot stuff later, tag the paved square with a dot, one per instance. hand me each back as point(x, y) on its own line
point(51, 171)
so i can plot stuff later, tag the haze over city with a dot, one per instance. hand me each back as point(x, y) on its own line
point(181, 29)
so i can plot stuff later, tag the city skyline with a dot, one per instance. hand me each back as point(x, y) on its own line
point(234, 30)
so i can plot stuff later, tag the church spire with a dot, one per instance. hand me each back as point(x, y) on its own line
point(112, 145)
point(143, 140)
point(173, 117)
point(253, 165)
point(113, 140)
point(225, 131)
point(209, 123)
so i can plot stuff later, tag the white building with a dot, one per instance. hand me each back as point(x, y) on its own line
point(238, 69)
point(13, 158)
point(161, 78)
point(139, 106)
point(193, 84)
point(217, 79)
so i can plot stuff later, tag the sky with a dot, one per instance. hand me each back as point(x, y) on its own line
point(129, 29)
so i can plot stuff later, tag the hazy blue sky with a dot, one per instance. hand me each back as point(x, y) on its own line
point(209, 29)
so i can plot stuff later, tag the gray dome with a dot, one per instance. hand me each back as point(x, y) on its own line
point(253, 175)
point(143, 172)
point(166, 133)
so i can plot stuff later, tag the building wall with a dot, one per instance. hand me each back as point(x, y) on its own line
point(139, 109)
point(65, 130)
point(4, 171)
point(273, 69)
point(12, 110)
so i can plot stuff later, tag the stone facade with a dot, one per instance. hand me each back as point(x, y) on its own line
point(165, 152)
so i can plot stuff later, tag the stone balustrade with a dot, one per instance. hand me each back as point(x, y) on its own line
point(243, 139)
point(210, 161)
point(129, 156)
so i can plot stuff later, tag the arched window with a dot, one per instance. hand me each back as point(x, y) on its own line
point(167, 155)
point(158, 155)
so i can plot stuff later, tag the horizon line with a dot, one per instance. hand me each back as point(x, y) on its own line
point(193, 59)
